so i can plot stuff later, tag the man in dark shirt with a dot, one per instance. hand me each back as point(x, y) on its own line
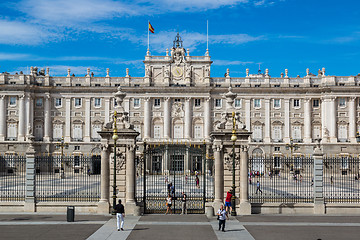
point(183, 201)
point(120, 214)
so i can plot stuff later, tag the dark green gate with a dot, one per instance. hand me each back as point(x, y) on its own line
point(179, 165)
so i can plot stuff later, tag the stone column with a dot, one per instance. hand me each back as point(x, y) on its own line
point(167, 118)
point(3, 118)
point(245, 206)
point(287, 120)
point(188, 123)
point(319, 206)
point(147, 118)
point(324, 120)
point(130, 181)
point(29, 205)
point(333, 120)
point(104, 204)
point(307, 120)
point(130, 173)
point(267, 138)
point(22, 116)
point(352, 119)
point(248, 114)
point(107, 110)
point(29, 115)
point(47, 118)
point(219, 175)
point(87, 120)
point(67, 137)
point(207, 117)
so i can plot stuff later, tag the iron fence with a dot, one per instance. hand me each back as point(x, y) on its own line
point(341, 179)
point(179, 165)
point(280, 179)
point(67, 178)
point(12, 177)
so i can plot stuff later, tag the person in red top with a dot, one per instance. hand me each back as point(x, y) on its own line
point(228, 201)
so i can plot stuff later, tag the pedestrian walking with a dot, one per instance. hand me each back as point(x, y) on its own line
point(258, 187)
point(197, 181)
point(250, 180)
point(166, 179)
point(120, 214)
point(228, 201)
point(183, 202)
point(332, 180)
point(222, 216)
point(168, 204)
point(186, 178)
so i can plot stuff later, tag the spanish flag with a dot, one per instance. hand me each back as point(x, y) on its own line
point(151, 29)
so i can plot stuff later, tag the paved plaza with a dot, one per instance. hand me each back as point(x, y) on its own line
point(197, 226)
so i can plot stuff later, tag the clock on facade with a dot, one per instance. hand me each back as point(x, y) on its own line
point(177, 72)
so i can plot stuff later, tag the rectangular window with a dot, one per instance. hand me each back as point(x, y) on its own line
point(344, 163)
point(115, 102)
point(296, 103)
point(317, 132)
point(277, 133)
point(257, 133)
point(296, 133)
point(58, 102)
point(178, 131)
point(76, 161)
point(77, 85)
point(57, 132)
point(197, 102)
point(12, 131)
point(342, 133)
point(316, 103)
point(77, 102)
point(277, 162)
point(58, 85)
point(257, 103)
point(277, 149)
point(12, 101)
point(157, 102)
point(97, 102)
point(218, 102)
point(39, 102)
point(198, 132)
point(77, 132)
point(76, 148)
point(136, 102)
point(237, 103)
point(94, 134)
point(177, 100)
point(157, 131)
point(342, 102)
point(276, 103)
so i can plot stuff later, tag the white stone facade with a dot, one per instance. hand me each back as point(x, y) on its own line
point(178, 100)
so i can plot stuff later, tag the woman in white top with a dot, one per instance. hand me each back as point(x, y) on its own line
point(168, 204)
point(222, 216)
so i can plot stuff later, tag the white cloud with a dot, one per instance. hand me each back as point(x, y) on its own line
point(16, 32)
point(229, 63)
point(14, 56)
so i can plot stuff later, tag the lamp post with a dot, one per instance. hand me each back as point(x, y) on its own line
point(292, 146)
point(62, 144)
point(115, 137)
point(233, 139)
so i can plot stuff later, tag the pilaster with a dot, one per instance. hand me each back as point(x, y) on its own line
point(248, 114)
point(352, 119)
point(67, 137)
point(219, 174)
point(22, 116)
point(2, 119)
point(87, 125)
point(147, 118)
point(188, 117)
point(267, 138)
point(307, 120)
point(167, 118)
point(207, 117)
point(287, 120)
point(47, 118)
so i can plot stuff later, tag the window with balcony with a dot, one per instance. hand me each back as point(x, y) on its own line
point(136, 102)
point(197, 102)
point(97, 102)
point(257, 103)
point(237, 103)
point(157, 102)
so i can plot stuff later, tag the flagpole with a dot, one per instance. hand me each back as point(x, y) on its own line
point(207, 35)
point(148, 31)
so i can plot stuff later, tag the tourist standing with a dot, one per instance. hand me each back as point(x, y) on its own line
point(168, 204)
point(197, 181)
point(228, 201)
point(120, 214)
point(183, 202)
point(222, 216)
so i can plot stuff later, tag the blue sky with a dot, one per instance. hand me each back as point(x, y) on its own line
point(102, 34)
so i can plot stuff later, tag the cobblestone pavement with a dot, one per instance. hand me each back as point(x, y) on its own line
point(93, 227)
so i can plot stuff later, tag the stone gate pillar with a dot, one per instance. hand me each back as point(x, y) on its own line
point(245, 206)
point(104, 204)
point(130, 180)
point(219, 174)
point(29, 205)
point(319, 206)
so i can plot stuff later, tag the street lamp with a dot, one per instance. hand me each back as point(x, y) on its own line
point(357, 136)
point(115, 137)
point(62, 145)
point(233, 139)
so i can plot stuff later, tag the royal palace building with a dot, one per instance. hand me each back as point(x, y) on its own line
point(178, 100)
